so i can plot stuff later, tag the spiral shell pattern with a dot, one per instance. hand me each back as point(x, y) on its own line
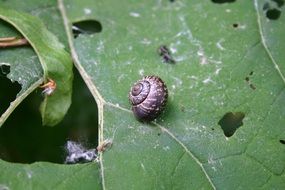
point(148, 98)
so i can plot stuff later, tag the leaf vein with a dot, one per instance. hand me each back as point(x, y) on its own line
point(188, 152)
point(92, 87)
point(276, 66)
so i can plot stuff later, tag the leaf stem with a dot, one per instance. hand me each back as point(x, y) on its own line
point(12, 42)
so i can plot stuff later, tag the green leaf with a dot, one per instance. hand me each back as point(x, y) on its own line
point(228, 60)
point(42, 175)
point(55, 61)
point(228, 72)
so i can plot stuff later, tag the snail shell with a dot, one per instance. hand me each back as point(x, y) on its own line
point(148, 97)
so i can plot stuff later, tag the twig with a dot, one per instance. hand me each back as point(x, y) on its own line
point(12, 42)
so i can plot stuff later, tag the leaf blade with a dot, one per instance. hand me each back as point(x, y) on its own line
point(220, 58)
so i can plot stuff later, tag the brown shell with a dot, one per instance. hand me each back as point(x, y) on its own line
point(148, 97)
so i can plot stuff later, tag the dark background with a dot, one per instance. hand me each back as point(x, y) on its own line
point(23, 139)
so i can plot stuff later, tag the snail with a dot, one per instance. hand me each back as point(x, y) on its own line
point(148, 98)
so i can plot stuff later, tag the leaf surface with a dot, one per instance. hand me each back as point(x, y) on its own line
point(42, 175)
point(227, 61)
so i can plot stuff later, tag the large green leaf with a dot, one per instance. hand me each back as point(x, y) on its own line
point(55, 61)
point(229, 59)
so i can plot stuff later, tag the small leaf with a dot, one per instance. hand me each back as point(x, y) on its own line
point(55, 61)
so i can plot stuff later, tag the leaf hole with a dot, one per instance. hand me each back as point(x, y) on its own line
point(9, 89)
point(282, 141)
point(235, 25)
point(247, 79)
point(86, 27)
point(230, 122)
point(273, 4)
point(273, 14)
point(280, 3)
point(223, 1)
point(5, 70)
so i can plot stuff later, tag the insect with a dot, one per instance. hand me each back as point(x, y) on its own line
point(165, 53)
point(148, 98)
point(104, 145)
point(49, 87)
